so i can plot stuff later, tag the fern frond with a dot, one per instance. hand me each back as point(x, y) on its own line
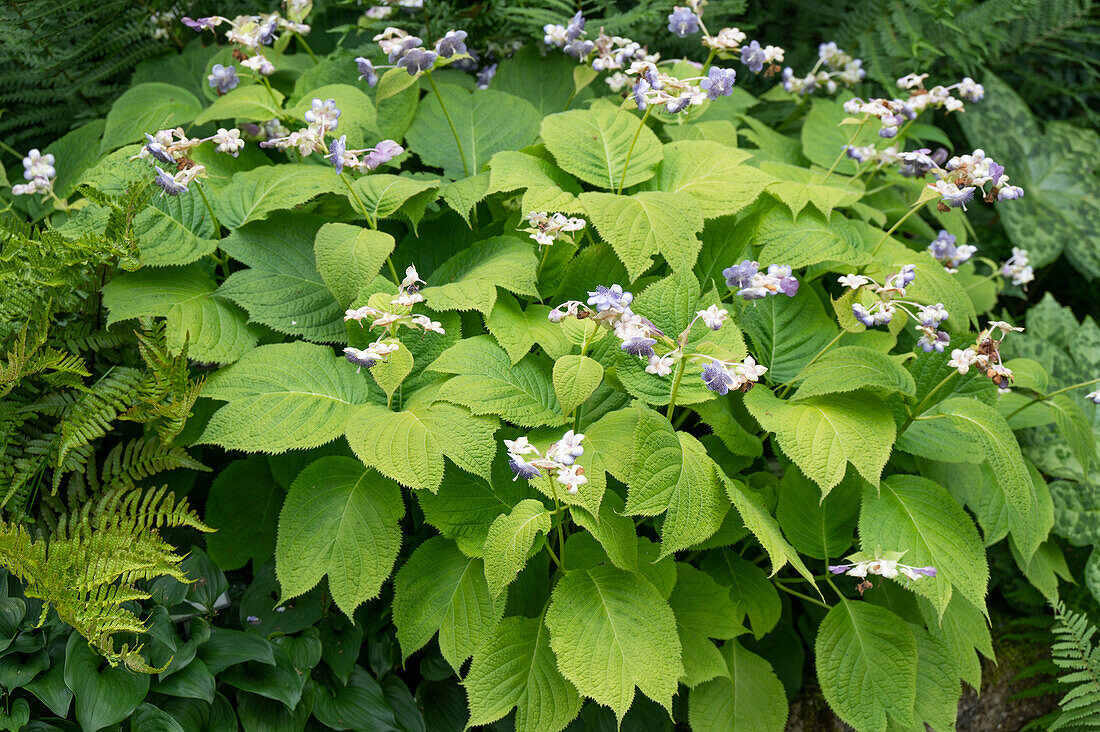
point(91, 416)
point(1073, 651)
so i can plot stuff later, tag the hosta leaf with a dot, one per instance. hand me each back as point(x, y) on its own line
point(787, 332)
point(486, 122)
point(509, 541)
point(409, 446)
point(1076, 511)
point(867, 666)
point(575, 378)
point(672, 475)
point(912, 514)
point(349, 257)
point(465, 506)
point(818, 527)
point(441, 590)
point(824, 433)
point(383, 194)
point(284, 396)
point(281, 287)
point(487, 382)
point(810, 238)
point(645, 224)
point(251, 103)
point(358, 119)
point(147, 108)
point(516, 668)
point(243, 508)
point(253, 194)
point(339, 520)
point(711, 173)
point(213, 328)
point(611, 631)
point(468, 280)
point(593, 144)
point(750, 698)
point(853, 367)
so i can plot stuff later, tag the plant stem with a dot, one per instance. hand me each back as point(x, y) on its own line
point(710, 57)
point(801, 596)
point(912, 210)
point(844, 150)
point(557, 522)
point(542, 261)
point(917, 410)
point(393, 270)
point(271, 93)
point(443, 106)
point(305, 45)
point(359, 202)
point(1044, 397)
point(213, 216)
point(830, 344)
point(626, 163)
point(675, 387)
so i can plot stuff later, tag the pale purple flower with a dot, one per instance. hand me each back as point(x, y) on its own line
point(361, 358)
point(610, 298)
point(740, 275)
point(753, 56)
point(201, 24)
point(522, 468)
point(679, 104)
point(863, 315)
point(485, 76)
point(1009, 193)
point(399, 47)
point(937, 343)
point(366, 71)
point(158, 151)
point(638, 91)
point(417, 60)
point(223, 78)
point(169, 184)
point(383, 152)
point(788, 285)
point(683, 22)
point(719, 82)
point(717, 378)
point(579, 48)
point(1093, 396)
point(575, 27)
point(336, 150)
point(452, 43)
point(639, 346)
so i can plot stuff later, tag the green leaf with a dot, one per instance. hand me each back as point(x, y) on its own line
point(509, 541)
point(339, 520)
point(349, 257)
point(824, 138)
point(575, 378)
point(174, 230)
point(796, 186)
point(1075, 429)
point(867, 666)
point(391, 373)
point(644, 224)
point(516, 668)
point(818, 527)
point(465, 506)
point(284, 396)
point(463, 195)
point(853, 367)
point(383, 194)
point(824, 433)
point(787, 332)
point(963, 628)
point(747, 587)
point(243, 508)
point(281, 288)
point(360, 704)
point(1076, 511)
point(486, 122)
point(764, 527)
point(711, 173)
point(409, 446)
point(440, 589)
point(358, 118)
point(517, 329)
point(545, 80)
point(226, 647)
point(213, 328)
point(672, 475)
point(281, 682)
point(938, 687)
point(147, 108)
point(703, 610)
point(511, 171)
point(614, 531)
point(594, 144)
point(914, 515)
point(468, 280)
point(102, 697)
point(251, 103)
point(811, 238)
point(611, 631)
point(751, 698)
point(394, 81)
point(253, 194)
point(487, 382)
point(719, 416)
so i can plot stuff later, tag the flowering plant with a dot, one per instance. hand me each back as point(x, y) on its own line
point(657, 380)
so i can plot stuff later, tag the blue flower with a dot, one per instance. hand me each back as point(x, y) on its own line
point(223, 78)
point(398, 50)
point(359, 357)
point(522, 468)
point(679, 104)
point(168, 184)
point(366, 71)
point(753, 56)
point(452, 43)
point(719, 82)
point(383, 152)
point(575, 28)
point(158, 151)
point(740, 275)
point(579, 48)
point(638, 91)
point(610, 298)
point(336, 150)
point(716, 378)
point(943, 246)
point(937, 344)
point(683, 22)
point(417, 60)
point(863, 315)
point(485, 76)
point(201, 24)
point(639, 346)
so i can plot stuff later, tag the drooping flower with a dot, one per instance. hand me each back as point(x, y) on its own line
point(228, 141)
point(572, 478)
point(156, 149)
point(610, 298)
point(717, 378)
point(713, 316)
point(259, 64)
point(753, 56)
point(1093, 396)
point(169, 184)
point(416, 60)
point(719, 82)
point(223, 78)
point(454, 42)
point(366, 70)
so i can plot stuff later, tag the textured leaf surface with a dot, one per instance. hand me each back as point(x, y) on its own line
point(611, 631)
point(867, 666)
point(646, 224)
point(253, 194)
point(796, 187)
point(517, 329)
point(787, 332)
point(339, 520)
point(854, 367)
point(810, 239)
point(349, 257)
point(747, 587)
point(468, 280)
point(764, 527)
point(249, 103)
point(575, 378)
point(751, 698)
point(146, 108)
point(824, 139)
point(510, 539)
point(516, 668)
point(441, 590)
point(465, 506)
point(711, 173)
point(284, 396)
point(593, 144)
point(824, 433)
point(384, 194)
point(818, 527)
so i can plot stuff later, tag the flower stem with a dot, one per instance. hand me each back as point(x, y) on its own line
point(675, 387)
point(305, 45)
point(443, 106)
point(626, 163)
point(213, 216)
point(912, 210)
point(362, 206)
point(801, 596)
point(1044, 397)
point(710, 57)
point(557, 522)
point(844, 150)
point(919, 409)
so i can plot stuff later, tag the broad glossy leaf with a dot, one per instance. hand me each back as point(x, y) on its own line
point(593, 144)
point(360, 704)
point(103, 696)
point(243, 508)
point(747, 587)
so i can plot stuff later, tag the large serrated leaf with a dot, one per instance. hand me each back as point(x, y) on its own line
point(594, 144)
point(146, 108)
point(253, 194)
point(750, 697)
point(510, 539)
point(787, 332)
point(645, 224)
point(349, 257)
point(712, 174)
point(853, 367)
point(250, 103)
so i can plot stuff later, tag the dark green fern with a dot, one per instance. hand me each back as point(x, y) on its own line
point(1074, 652)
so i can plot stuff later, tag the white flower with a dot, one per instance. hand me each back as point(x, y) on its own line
point(566, 450)
point(1004, 327)
point(660, 365)
point(520, 446)
point(411, 277)
point(855, 281)
point(572, 478)
point(228, 141)
point(1093, 396)
point(260, 65)
point(379, 12)
point(911, 81)
point(884, 568)
point(407, 300)
point(749, 370)
point(963, 359)
point(713, 316)
point(423, 321)
point(358, 314)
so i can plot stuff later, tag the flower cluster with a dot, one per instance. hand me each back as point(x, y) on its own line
point(833, 65)
point(39, 173)
point(653, 87)
point(560, 459)
point(407, 51)
point(752, 284)
point(943, 248)
point(882, 564)
point(962, 175)
point(605, 53)
point(250, 32)
point(323, 116)
point(726, 43)
point(1018, 267)
point(895, 112)
point(985, 354)
point(887, 302)
point(383, 152)
point(173, 147)
point(547, 228)
point(398, 313)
